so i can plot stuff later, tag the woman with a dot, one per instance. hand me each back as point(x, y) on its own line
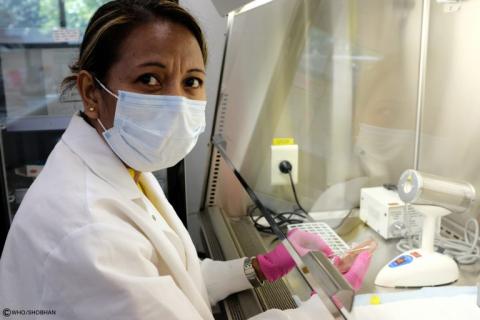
point(95, 237)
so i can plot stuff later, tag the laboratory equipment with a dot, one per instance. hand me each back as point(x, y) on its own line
point(306, 93)
point(383, 211)
point(434, 197)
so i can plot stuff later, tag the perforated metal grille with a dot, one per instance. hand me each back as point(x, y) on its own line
point(215, 165)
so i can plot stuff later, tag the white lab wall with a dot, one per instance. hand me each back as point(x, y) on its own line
point(196, 163)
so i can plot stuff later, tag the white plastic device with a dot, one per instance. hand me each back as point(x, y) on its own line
point(434, 197)
point(383, 211)
point(338, 246)
point(421, 267)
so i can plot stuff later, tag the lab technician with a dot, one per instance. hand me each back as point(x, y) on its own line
point(95, 237)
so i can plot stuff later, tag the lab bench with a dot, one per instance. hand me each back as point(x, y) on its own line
point(229, 238)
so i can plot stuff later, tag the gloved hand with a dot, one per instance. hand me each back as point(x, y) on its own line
point(354, 263)
point(278, 262)
point(358, 270)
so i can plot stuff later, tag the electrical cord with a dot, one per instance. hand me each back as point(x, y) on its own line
point(286, 168)
point(462, 251)
point(294, 190)
point(282, 218)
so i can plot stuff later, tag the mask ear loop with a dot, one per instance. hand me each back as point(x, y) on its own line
point(101, 124)
point(111, 93)
point(105, 88)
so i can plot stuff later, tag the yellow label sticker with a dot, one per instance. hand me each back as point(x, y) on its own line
point(283, 141)
point(374, 299)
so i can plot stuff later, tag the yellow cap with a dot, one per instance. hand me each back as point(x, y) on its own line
point(283, 141)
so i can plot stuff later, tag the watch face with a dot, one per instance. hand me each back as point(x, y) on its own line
point(248, 267)
point(250, 273)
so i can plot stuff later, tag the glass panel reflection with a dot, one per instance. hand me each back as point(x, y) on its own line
point(339, 77)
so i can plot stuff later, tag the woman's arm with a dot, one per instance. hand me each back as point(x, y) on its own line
point(222, 278)
point(106, 272)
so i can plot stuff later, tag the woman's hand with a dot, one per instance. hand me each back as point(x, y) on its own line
point(355, 262)
point(278, 262)
point(345, 262)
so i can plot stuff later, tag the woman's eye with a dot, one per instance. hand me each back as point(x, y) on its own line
point(149, 80)
point(193, 83)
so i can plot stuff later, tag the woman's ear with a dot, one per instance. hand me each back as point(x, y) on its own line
point(89, 93)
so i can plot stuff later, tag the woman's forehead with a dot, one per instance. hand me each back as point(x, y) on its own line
point(160, 40)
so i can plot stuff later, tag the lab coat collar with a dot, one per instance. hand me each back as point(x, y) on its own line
point(85, 141)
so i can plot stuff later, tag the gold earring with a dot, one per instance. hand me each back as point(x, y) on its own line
point(91, 109)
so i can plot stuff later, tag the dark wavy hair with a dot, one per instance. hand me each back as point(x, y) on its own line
point(112, 22)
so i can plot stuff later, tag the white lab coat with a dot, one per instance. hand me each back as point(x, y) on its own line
point(89, 245)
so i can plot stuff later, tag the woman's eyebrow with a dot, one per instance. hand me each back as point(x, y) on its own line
point(152, 64)
point(197, 70)
point(161, 65)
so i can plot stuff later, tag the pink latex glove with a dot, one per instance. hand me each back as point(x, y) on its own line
point(358, 270)
point(354, 264)
point(278, 262)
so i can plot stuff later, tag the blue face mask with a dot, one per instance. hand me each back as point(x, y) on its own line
point(153, 132)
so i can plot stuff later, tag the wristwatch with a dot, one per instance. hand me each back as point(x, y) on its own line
point(250, 273)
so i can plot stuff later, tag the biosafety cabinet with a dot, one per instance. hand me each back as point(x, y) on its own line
point(38, 41)
point(366, 89)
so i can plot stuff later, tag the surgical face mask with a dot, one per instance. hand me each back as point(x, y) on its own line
point(154, 132)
